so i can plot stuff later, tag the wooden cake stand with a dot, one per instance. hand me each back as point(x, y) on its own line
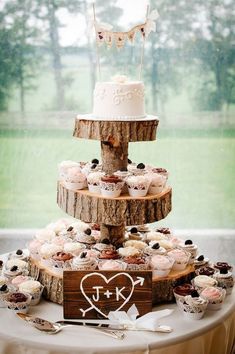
point(113, 214)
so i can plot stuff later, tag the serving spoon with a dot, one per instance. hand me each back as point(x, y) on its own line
point(55, 327)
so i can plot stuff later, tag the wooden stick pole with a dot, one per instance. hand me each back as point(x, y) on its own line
point(97, 47)
point(143, 46)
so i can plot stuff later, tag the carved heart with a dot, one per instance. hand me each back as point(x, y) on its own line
point(105, 282)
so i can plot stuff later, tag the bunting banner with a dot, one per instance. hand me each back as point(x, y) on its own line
point(105, 35)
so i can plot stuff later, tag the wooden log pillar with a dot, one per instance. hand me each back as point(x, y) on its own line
point(114, 157)
point(115, 234)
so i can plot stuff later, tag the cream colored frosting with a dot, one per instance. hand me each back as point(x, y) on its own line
point(45, 235)
point(162, 262)
point(128, 251)
point(204, 281)
point(74, 175)
point(94, 177)
point(47, 250)
point(119, 100)
point(30, 286)
point(16, 262)
point(75, 248)
point(179, 256)
point(155, 236)
point(140, 245)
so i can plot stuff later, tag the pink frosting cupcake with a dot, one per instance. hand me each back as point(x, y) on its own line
point(181, 258)
point(215, 296)
point(74, 179)
point(161, 265)
point(111, 264)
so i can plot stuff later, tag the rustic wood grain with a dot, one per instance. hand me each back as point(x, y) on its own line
point(94, 208)
point(114, 158)
point(117, 132)
point(74, 299)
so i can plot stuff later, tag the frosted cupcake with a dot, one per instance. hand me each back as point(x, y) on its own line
point(75, 248)
point(93, 181)
point(19, 280)
point(209, 271)
point(93, 166)
point(181, 258)
point(61, 261)
point(18, 302)
point(193, 306)
point(19, 254)
point(201, 261)
point(34, 289)
point(109, 254)
point(220, 265)
point(74, 179)
point(215, 296)
point(112, 265)
point(134, 234)
point(155, 249)
point(86, 238)
point(154, 236)
point(64, 166)
point(157, 184)
point(34, 247)
point(183, 290)
point(15, 267)
point(104, 244)
point(138, 185)
point(225, 280)
point(111, 186)
point(161, 265)
point(190, 247)
point(201, 282)
point(161, 171)
point(132, 257)
point(83, 262)
point(47, 250)
point(139, 245)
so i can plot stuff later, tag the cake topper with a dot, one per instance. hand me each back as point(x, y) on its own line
point(105, 35)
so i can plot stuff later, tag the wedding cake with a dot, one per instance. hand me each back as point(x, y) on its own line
point(119, 99)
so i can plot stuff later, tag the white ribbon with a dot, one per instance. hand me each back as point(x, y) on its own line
point(148, 322)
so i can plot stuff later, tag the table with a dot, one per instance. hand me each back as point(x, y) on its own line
point(214, 334)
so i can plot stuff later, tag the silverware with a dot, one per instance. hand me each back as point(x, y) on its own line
point(55, 327)
point(113, 326)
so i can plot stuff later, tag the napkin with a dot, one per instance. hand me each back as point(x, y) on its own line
point(148, 322)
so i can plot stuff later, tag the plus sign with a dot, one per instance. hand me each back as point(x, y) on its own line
point(108, 294)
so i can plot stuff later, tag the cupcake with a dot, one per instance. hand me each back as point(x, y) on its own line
point(64, 166)
point(225, 280)
point(132, 257)
point(201, 261)
point(19, 254)
point(83, 262)
point(34, 289)
point(86, 238)
point(201, 282)
point(220, 265)
point(111, 186)
point(154, 236)
point(209, 271)
point(215, 297)
point(111, 264)
point(74, 179)
point(193, 306)
point(183, 290)
point(93, 181)
point(133, 234)
point(161, 171)
point(18, 302)
point(137, 169)
point(154, 249)
point(34, 247)
point(181, 258)
point(190, 247)
point(20, 279)
point(157, 184)
point(161, 265)
point(167, 244)
point(104, 244)
point(61, 260)
point(75, 248)
point(80, 227)
point(140, 245)
point(109, 254)
point(138, 185)
point(15, 267)
point(93, 166)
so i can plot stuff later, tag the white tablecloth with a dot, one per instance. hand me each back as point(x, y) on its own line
point(214, 334)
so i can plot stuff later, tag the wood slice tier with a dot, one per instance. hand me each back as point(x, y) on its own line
point(162, 287)
point(116, 132)
point(94, 208)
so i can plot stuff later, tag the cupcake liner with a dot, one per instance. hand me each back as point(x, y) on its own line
point(137, 192)
point(112, 190)
point(215, 304)
point(94, 188)
point(155, 189)
point(226, 283)
point(36, 296)
point(74, 185)
point(122, 265)
point(22, 307)
point(192, 310)
point(161, 272)
point(88, 266)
